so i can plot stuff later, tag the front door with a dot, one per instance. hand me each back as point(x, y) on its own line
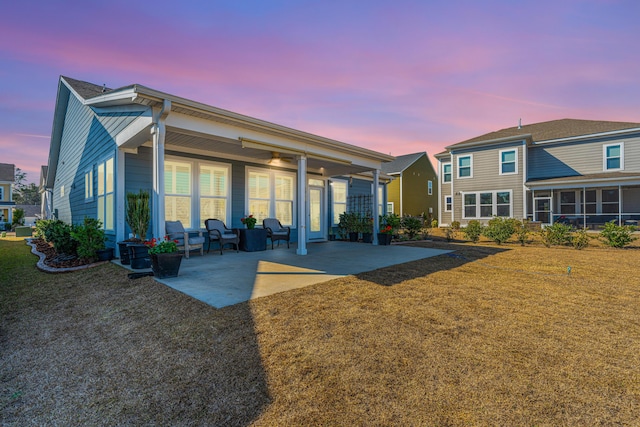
point(315, 224)
point(542, 210)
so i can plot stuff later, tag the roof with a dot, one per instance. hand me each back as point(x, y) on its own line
point(29, 210)
point(85, 89)
point(401, 163)
point(551, 130)
point(579, 180)
point(7, 172)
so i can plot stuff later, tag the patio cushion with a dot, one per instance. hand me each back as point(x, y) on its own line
point(196, 240)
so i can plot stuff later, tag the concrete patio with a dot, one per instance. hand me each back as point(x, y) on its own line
point(231, 278)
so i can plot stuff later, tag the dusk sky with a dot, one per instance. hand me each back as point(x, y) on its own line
point(393, 76)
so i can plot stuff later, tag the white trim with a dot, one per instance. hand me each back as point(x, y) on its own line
point(445, 203)
point(88, 184)
point(500, 162)
point(443, 164)
point(199, 196)
point(429, 187)
point(458, 158)
point(605, 158)
point(494, 203)
point(333, 199)
point(272, 196)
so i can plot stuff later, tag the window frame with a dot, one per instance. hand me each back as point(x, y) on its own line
point(605, 158)
point(448, 203)
point(272, 174)
point(191, 195)
point(1, 193)
point(470, 167)
point(494, 204)
point(430, 188)
point(444, 173)
point(88, 185)
point(103, 194)
point(197, 171)
point(502, 163)
point(335, 217)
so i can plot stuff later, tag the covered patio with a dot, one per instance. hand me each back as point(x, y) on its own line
point(223, 280)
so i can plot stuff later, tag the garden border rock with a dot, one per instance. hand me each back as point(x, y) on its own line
point(48, 269)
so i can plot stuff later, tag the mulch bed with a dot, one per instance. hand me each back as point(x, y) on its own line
point(53, 259)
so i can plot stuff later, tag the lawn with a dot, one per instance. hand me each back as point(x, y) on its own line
point(490, 335)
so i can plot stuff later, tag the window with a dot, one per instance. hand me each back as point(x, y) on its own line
point(590, 202)
point(177, 192)
point(271, 195)
point(446, 172)
point(613, 157)
point(430, 188)
point(88, 185)
point(214, 192)
point(486, 204)
point(105, 193)
point(389, 207)
point(610, 201)
point(339, 192)
point(62, 191)
point(464, 167)
point(448, 203)
point(380, 200)
point(1, 193)
point(568, 202)
point(508, 162)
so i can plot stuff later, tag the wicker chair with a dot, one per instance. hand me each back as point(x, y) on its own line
point(275, 231)
point(220, 233)
point(176, 231)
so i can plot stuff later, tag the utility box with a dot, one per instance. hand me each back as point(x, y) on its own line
point(23, 231)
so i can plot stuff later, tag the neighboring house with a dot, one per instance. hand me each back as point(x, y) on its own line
point(31, 213)
point(414, 189)
point(45, 195)
point(582, 172)
point(198, 162)
point(7, 178)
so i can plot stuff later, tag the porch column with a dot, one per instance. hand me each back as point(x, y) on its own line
point(619, 204)
point(584, 208)
point(376, 202)
point(120, 199)
point(158, 130)
point(302, 205)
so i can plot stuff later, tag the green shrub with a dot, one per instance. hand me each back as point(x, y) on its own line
point(473, 230)
point(449, 233)
point(455, 225)
point(138, 213)
point(59, 235)
point(18, 217)
point(434, 223)
point(89, 237)
point(411, 226)
point(580, 239)
point(521, 230)
point(499, 229)
point(41, 226)
point(617, 236)
point(556, 234)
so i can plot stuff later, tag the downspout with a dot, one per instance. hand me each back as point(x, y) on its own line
point(453, 196)
point(158, 132)
point(401, 207)
point(376, 221)
point(525, 211)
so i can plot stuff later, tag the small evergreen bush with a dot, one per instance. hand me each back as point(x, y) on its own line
point(473, 230)
point(411, 226)
point(499, 229)
point(89, 238)
point(556, 234)
point(580, 239)
point(617, 236)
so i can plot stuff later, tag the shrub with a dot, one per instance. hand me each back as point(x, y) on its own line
point(450, 233)
point(138, 213)
point(411, 226)
point(59, 235)
point(41, 227)
point(556, 234)
point(473, 230)
point(18, 217)
point(580, 239)
point(455, 225)
point(521, 231)
point(617, 236)
point(499, 229)
point(89, 238)
point(434, 223)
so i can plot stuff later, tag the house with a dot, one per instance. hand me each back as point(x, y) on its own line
point(31, 214)
point(7, 177)
point(45, 194)
point(582, 172)
point(198, 162)
point(414, 189)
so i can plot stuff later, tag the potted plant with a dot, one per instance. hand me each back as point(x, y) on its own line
point(249, 221)
point(138, 217)
point(165, 258)
point(350, 223)
point(389, 224)
point(366, 228)
point(332, 234)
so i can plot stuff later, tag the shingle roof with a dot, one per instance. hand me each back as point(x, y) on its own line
point(85, 89)
point(555, 129)
point(29, 210)
point(587, 177)
point(7, 172)
point(401, 163)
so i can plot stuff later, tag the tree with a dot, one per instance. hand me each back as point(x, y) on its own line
point(24, 194)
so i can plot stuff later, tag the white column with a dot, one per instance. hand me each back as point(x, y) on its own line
point(120, 197)
point(158, 131)
point(302, 205)
point(376, 202)
point(619, 204)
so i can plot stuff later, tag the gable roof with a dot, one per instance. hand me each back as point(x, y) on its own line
point(549, 131)
point(401, 163)
point(85, 89)
point(7, 172)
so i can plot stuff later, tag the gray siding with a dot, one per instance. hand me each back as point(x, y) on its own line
point(579, 158)
point(444, 189)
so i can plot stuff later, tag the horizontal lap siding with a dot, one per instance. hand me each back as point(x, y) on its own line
point(579, 158)
point(443, 192)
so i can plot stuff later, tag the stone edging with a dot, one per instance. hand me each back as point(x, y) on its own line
point(48, 269)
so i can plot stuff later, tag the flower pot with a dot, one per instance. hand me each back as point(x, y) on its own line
point(384, 239)
point(124, 253)
point(253, 239)
point(166, 265)
point(353, 237)
point(367, 237)
point(105, 254)
point(139, 256)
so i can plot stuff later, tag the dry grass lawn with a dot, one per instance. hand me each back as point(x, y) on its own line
point(487, 336)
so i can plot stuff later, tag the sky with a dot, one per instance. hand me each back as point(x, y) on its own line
point(397, 76)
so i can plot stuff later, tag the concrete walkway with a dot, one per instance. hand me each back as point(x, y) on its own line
point(231, 278)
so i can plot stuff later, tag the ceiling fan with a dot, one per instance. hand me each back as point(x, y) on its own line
point(277, 158)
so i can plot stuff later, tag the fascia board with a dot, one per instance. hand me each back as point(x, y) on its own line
point(514, 139)
point(589, 136)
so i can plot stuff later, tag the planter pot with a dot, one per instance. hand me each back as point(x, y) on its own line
point(367, 237)
point(384, 239)
point(124, 253)
point(105, 254)
point(353, 237)
point(139, 256)
point(165, 265)
point(253, 239)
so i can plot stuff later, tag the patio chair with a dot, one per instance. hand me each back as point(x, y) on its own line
point(220, 233)
point(275, 231)
point(176, 231)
